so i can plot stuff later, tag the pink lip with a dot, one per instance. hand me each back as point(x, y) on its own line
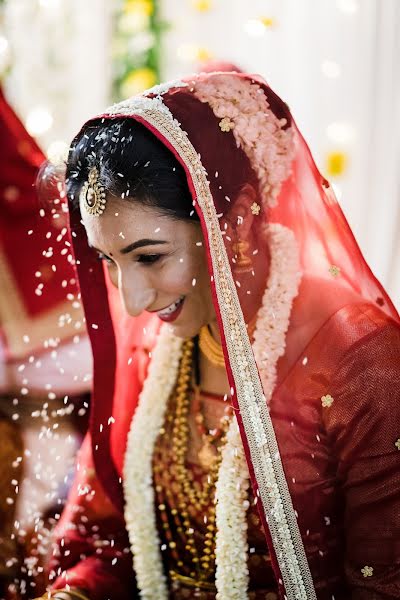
point(172, 316)
point(158, 309)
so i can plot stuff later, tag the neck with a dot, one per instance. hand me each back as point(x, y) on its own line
point(212, 379)
point(215, 331)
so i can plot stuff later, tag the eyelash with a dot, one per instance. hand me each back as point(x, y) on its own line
point(148, 259)
point(103, 257)
point(145, 259)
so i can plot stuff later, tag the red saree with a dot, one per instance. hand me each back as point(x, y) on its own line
point(316, 395)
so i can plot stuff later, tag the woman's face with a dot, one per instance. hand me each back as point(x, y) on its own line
point(157, 263)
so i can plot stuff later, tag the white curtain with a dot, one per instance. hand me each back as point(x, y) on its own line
point(382, 228)
point(60, 52)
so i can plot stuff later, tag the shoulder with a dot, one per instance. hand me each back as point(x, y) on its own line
point(341, 316)
point(368, 336)
point(372, 359)
point(365, 385)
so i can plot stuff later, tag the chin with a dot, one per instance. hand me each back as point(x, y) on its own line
point(184, 330)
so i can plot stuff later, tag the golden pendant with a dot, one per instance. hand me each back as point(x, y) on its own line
point(207, 455)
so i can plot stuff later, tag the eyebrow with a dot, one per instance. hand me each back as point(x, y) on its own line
point(141, 244)
point(134, 245)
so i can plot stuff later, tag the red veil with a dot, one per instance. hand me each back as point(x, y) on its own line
point(316, 393)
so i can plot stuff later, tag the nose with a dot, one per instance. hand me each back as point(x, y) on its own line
point(135, 292)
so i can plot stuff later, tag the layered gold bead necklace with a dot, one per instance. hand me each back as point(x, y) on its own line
point(191, 495)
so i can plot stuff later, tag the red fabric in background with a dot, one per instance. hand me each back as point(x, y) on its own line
point(21, 158)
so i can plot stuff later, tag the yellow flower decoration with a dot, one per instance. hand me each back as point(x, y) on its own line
point(139, 7)
point(193, 53)
point(255, 208)
point(203, 54)
point(202, 5)
point(367, 571)
point(327, 401)
point(336, 163)
point(334, 270)
point(397, 444)
point(226, 124)
point(267, 21)
point(137, 81)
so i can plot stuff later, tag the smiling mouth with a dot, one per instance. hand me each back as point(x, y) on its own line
point(165, 312)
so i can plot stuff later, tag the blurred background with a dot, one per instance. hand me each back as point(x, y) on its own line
point(335, 62)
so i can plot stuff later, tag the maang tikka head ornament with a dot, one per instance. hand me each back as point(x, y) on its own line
point(93, 194)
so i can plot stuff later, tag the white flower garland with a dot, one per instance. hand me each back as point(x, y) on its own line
point(273, 316)
point(243, 107)
point(232, 575)
point(138, 487)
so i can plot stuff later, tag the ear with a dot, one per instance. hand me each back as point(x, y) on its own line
point(240, 214)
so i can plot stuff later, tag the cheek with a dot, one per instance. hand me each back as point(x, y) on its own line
point(195, 275)
point(184, 274)
point(176, 277)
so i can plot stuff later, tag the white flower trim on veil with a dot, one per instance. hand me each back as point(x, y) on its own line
point(266, 140)
point(274, 314)
point(232, 575)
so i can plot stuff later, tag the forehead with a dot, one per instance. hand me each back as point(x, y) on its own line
point(127, 221)
point(122, 216)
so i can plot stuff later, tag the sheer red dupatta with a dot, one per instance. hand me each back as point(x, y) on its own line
point(303, 231)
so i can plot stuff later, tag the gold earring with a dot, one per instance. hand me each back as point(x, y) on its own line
point(243, 263)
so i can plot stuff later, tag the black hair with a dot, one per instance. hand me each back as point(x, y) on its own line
point(132, 164)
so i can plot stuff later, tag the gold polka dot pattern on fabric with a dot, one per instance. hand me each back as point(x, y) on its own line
point(226, 124)
point(326, 401)
point(334, 270)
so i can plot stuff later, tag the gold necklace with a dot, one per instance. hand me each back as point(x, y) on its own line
point(209, 438)
point(180, 435)
point(212, 350)
point(190, 495)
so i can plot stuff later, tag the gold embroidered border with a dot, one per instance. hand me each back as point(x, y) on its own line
point(268, 468)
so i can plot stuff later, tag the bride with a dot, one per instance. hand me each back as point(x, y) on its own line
point(245, 427)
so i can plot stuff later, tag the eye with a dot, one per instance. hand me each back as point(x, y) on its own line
point(148, 259)
point(105, 258)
